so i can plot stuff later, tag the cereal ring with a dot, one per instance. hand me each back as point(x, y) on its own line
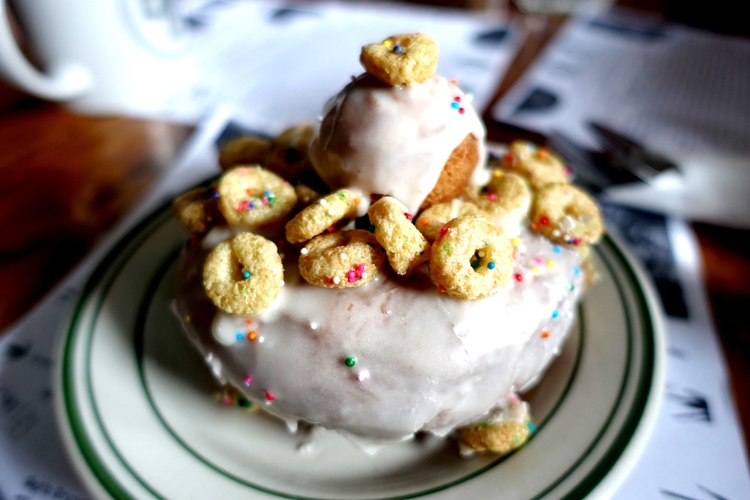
point(246, 150)
point(321, 215)
point(197, 210)
point(505, 429)
point(254, 198)
point(404, 244)
point(566, 214)
point(430, 221)
point(501, 437)
point(288, 156)
point(243, 274)
point(401, 59)
point(306, 195)
point(471, 258)
point(538, 165)
point(343, 259)
point(506, 199)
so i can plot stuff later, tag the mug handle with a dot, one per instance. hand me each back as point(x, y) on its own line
point(65, 80)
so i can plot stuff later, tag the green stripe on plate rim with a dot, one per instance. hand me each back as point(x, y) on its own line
point(114, 260)
point(105, 274)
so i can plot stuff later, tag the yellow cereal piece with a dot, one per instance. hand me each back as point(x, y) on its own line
point(432, 219)
point(567, 215)
point(343, 259)
point(289, 154)
point(253, 198)
point(321, 215)
point(401, 59)
point(471, 258)
point(538, 165)
point(305, 195)
point(197, 210)
point(245, 150)
point(505, 194)
point(501, 437)
point(392, 225)
point(243, 274)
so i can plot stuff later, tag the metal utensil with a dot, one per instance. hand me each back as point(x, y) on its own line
point(626, 154)
point(592, 169)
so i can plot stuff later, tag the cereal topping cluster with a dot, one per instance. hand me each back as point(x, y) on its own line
point(469, 254)
point(266, 193)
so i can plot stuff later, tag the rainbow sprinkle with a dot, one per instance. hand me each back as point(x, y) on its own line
point(456, 104)
point(357, 273)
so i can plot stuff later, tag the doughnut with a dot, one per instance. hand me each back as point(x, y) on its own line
point(343, 259)
point(322, 214)
point(471, 258)
point(430, 221)
point(566, 214)
point(401, 59)
point(377, 352)
point(253, 198)
point(243, 274)
point(403, 243)
point(358, 147)
point(197, 210)
point(537, 164)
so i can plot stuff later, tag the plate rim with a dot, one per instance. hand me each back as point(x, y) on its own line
point(630, 445)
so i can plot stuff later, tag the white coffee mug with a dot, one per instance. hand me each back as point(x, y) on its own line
point(100, 56)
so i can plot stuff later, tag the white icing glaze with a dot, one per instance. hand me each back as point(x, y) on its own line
point(393, 140)
point(514, 220)
point(424, 361)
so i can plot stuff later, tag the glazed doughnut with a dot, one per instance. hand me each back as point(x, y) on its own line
point(403, 243)
point(471, 258)
point(401, 59)
point(442, 350)
point(566, 214)
point(358, 147)
point(243, 274)
point(343, 259)
point(253, 198)
point(321, 215)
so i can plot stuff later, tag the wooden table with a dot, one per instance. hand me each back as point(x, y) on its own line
point(67, 178)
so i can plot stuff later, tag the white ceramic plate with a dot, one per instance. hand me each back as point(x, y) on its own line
point(136, 408)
